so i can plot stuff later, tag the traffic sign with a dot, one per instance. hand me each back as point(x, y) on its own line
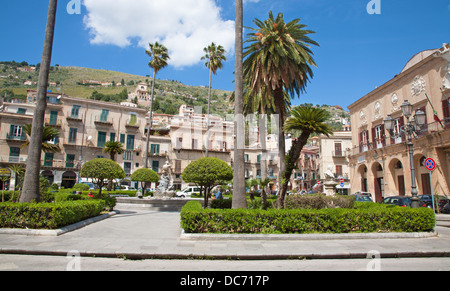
point(430, 164)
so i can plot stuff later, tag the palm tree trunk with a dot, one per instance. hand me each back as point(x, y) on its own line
point(149, 131)
point(263, 161)
point(239, 197)
point(293, 156)
point(279, 106)
point(209, 111)
point(30, 189)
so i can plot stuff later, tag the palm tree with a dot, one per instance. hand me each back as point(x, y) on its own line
point(48, 134)
point(214, 57)
point(239, 196)
point(278, 60)
point(307, 120)
point(30, 190)
point(113, 148)
point(159, 56)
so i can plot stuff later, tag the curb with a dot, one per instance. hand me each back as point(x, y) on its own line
point(60, 231)
point(299, 256)
point(312, 236)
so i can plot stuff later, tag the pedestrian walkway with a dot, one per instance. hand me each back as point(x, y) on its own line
point(146, 233)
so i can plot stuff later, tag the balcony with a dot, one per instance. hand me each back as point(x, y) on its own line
point(74, 117)
point(20, 138)
point(132, 123)
point(53, 122)
point(101, 120)
point(339, 154)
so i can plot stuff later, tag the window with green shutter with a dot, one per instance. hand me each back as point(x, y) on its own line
point(101, 139)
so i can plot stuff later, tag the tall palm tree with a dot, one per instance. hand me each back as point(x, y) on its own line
point(214, 57)
point(30, 190)
point(48, 134)
point(239, 196)
point(159, 56)
point(278, 60)
point(307, 120)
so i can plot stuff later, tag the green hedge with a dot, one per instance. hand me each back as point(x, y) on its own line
point(368, 217)
point(48, 215)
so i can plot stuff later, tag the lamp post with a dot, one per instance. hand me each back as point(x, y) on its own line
point(410, 129)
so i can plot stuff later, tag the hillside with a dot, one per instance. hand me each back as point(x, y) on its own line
point(169, 95)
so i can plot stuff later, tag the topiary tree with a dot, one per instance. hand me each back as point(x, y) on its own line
point(101, 171)
point(144, 176)
point(205, 173)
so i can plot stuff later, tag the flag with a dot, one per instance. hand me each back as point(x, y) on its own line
point(435, 114)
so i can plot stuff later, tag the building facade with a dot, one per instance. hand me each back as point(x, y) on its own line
point(379, 161)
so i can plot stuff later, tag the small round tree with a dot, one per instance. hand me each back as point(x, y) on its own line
point(101, 171)
point(144, 176)
point(205, 173)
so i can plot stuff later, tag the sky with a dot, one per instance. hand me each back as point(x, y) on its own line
point(363, 43)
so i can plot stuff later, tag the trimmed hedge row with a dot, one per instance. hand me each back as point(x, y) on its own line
point(48, 215)
point(362, 218)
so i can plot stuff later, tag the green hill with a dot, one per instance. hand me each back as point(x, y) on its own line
point(169, 95)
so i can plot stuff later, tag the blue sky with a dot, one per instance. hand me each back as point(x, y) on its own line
point(357, 52)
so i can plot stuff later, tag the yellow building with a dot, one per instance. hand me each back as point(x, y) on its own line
point(379, 161)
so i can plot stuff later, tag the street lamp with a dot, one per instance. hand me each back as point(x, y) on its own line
point(411, 128)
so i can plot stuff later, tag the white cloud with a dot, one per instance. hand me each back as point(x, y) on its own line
point(185, 27)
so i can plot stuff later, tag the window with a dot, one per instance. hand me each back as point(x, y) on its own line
point(122, 138)
point(396, 133)
point(101, 139)
point(246, 158)
point(53, 117)
point(16, 131)
point(14, 154)
point(155, 166)
point(73, 135)
point(104, 115)
point(338, 170)
point(75, 111)
point(154, 148)
point(378, 136)
point(130, 142)
point(21, 111)
point(112, 136)
point(70, 161)
point(338, 149)
point(258, 159)
point(127, 168)
point(446, 109)
point(363, 141)
point(48, 160)
point(128, 155)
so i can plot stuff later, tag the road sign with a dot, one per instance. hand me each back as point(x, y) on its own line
point(430, 164)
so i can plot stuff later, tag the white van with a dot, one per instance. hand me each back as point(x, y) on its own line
point(186, 192)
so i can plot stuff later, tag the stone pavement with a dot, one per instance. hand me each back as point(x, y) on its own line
point(139, 233)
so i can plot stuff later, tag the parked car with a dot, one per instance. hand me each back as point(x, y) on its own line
point(363, 194)
point(362, 198)
point(441, 201)
point(402, 201)
point(188, 191)
point(398, 200)
point(446, 208)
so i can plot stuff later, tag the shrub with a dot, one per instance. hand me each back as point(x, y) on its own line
point(370, 218)
point(318, 201)
point(48, 215)
point(81, 187)
point(221, 203)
